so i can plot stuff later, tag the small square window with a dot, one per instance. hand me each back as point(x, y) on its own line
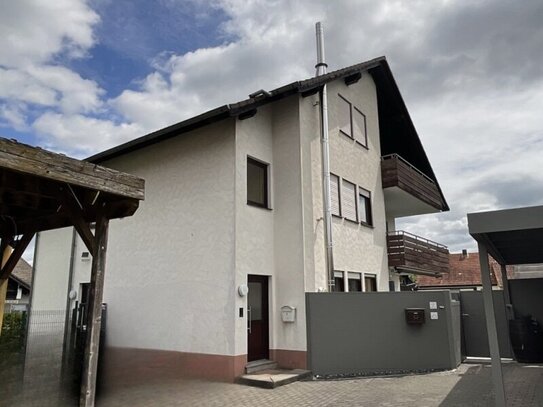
point(257, 183)
point(364, 206)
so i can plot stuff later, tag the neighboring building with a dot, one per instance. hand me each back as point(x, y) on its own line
point(18, 292)
point(234, 198)
point(464, 273)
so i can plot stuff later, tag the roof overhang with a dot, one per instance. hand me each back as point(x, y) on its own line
point(398, 134)
point(512, 236)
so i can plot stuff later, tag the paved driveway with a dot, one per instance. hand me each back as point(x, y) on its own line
point(469, 385)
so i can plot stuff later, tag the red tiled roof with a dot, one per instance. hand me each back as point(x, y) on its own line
point(464, 271)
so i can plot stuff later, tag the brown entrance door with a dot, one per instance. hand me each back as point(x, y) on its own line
point(257, 318)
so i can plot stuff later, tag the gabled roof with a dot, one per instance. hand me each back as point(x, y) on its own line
point(464, 271)
point(398, 134)
point(22, 273)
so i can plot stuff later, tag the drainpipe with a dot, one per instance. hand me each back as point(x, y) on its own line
point(327, 201)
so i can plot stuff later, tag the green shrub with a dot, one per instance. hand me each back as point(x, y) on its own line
point(13, 332)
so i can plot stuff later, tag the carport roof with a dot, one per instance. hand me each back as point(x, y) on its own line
point(512, 236)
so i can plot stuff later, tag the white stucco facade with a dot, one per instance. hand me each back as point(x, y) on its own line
point(173, 269)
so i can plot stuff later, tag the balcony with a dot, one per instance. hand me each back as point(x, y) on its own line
point(415, 254)
point(407, 190)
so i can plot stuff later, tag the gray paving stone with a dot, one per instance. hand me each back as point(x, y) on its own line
point(469, 385)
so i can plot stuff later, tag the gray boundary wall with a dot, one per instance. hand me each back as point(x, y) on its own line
point(367, 333)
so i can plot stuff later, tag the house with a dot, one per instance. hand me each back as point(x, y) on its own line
point(464, 273)
point(18, 290)
point(211, 272)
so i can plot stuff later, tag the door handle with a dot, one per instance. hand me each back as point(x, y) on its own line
point(249, 319)
point(465, 315)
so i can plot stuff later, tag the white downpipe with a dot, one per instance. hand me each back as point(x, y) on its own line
point(325, 144)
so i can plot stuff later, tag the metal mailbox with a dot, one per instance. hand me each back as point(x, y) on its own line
point(288, 313)
point(415, 316)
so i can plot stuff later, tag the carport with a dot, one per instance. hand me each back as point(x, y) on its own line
point(41, 190)
point(511, 237)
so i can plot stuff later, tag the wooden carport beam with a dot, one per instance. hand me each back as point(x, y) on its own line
point(41, 190)
point(18, 250)
point(75, 212)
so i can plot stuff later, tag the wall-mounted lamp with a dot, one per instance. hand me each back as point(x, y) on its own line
point(243, 290)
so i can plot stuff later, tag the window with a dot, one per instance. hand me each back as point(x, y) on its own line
point(348, 200)
point(352, 122)
point(334, 194)
point(355, 282)
point(391, 286)
point(359, 127)
point(344, 117)
point(370, 283)
point(339, 282)
point(257, 183)
point(364, 206)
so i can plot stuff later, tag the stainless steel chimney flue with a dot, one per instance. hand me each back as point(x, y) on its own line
point(325, 144)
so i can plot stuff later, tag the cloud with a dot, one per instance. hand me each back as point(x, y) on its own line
point(471, 72)
point(32, 32)
point(81, 134)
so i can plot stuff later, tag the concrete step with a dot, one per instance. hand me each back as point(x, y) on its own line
point(259, 365)
point(272, 378)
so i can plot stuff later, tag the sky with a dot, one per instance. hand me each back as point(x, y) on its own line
point(80, 76)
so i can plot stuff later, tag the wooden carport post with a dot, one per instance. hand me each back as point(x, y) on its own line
point(5, 251)
point(94, 321)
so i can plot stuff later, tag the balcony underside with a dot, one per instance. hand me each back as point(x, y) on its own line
point(400, 203)
point(407, 190)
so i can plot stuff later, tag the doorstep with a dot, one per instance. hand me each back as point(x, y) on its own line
point(272, 378)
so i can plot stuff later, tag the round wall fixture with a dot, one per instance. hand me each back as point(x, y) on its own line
point(72, 295)
point(243, 290)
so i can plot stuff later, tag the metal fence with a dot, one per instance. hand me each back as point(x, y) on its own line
point(41, 361)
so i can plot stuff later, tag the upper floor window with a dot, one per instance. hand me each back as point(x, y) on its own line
point(348, 200)
point(364, 206)
point(334, 194)
point(257, 183)
point(352, 122)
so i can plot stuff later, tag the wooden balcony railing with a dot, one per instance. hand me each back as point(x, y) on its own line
point(397, 172)
point(415, 253)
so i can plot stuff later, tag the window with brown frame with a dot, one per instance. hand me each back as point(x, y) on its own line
point(257, 183)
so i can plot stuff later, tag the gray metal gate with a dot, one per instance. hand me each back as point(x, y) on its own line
point(474, 324)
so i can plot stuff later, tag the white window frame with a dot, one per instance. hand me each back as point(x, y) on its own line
point(360, 276)
point(343, 201)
